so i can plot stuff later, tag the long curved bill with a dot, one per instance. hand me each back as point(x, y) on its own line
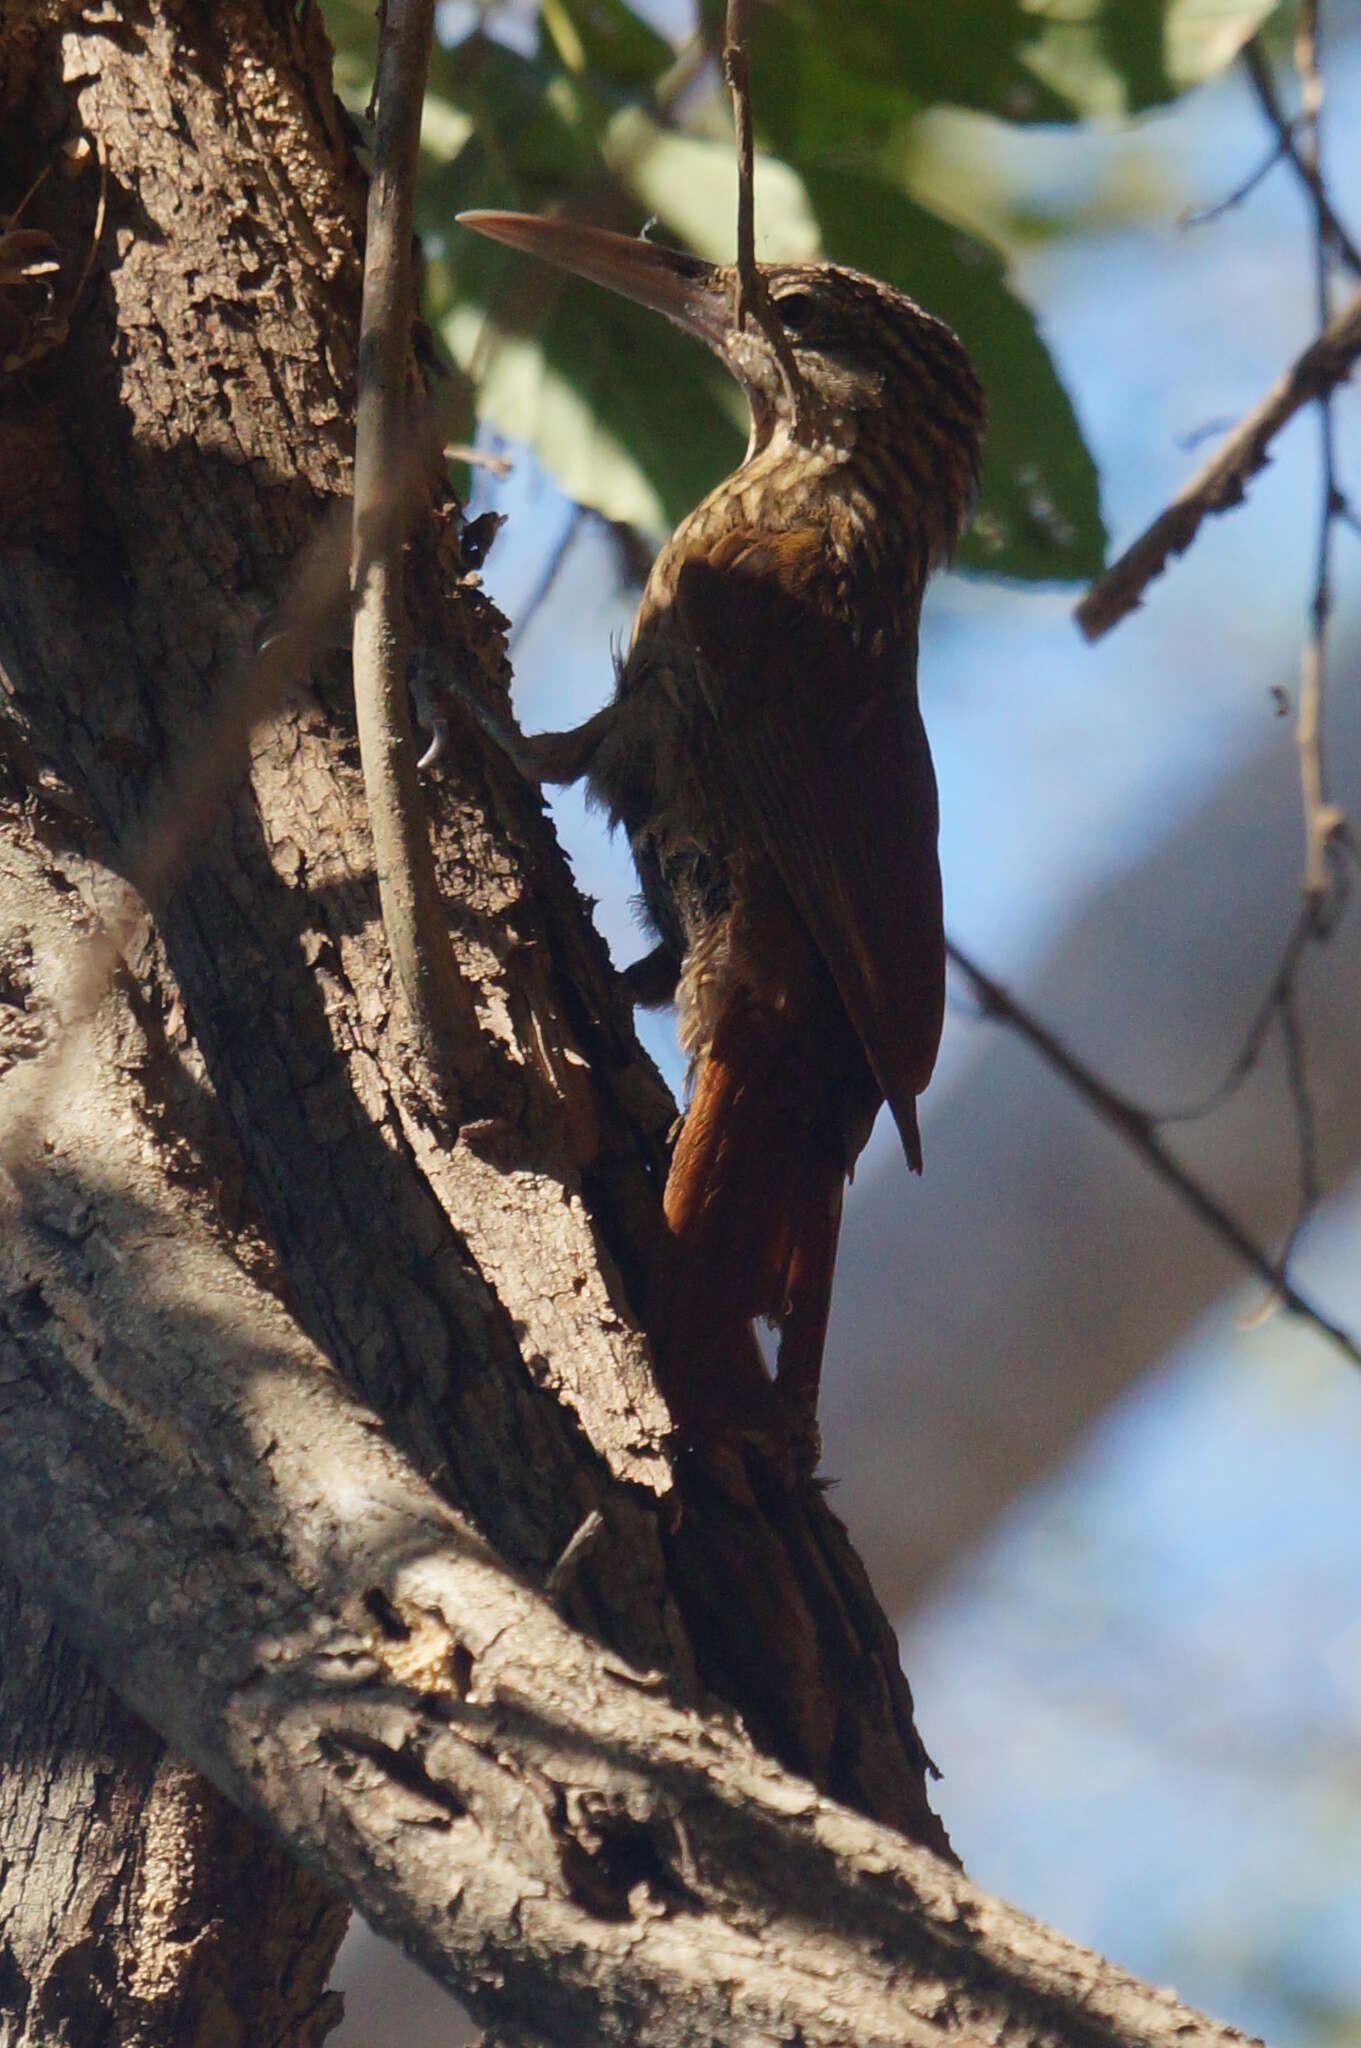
point(685, 288)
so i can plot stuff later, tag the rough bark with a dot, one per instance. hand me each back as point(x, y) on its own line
point(553, 1832)
point(137, 1906)
point(245, 1236)
point(477, 1283)
point(102, 1831)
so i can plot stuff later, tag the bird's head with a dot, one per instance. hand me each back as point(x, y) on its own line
point(877, 383)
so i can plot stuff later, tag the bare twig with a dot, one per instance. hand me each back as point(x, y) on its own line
point(1138, 1129)
point(1219, 485)
point(418, 938)
point(1322, 820)
point(1297, 1074)
point(1265, 1015)
point(1264, 85)
point(1285, 1005)
point(739, 87)
point(1202, 216)
point(738, 77)
point(478, 458)
point(97, 232)
point(1283, 149)
point(753, 296)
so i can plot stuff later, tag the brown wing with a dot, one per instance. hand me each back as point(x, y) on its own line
point(824, 746)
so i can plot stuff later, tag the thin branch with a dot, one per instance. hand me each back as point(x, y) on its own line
point(1285, 1004)
point(1138, 1128)
point(1254, 1039)
point(737, 74)
point(437, 1004)
point(752, 294)
point(1322, 820)
point(1297, 1075)
point(1264, 85)
point(1219, 485)
point(478, 458)
point(1283, 148)
point(1202, 216)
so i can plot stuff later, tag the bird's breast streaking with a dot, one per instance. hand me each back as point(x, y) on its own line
point(766, 755)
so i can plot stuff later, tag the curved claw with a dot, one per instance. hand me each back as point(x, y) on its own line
point(438, 728)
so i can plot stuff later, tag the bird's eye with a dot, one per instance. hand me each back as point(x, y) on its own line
point(796, 310)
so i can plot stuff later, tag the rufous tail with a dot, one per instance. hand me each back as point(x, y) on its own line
point(753, 1201)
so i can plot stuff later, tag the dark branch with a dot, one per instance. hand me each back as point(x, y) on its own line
point(753, 297)
point(1264, 85)
point(1220, 484)
point(1255, 1037)
point(1202, 216)
point(1284, 148)
point(737, 74)
point(1137, 1127)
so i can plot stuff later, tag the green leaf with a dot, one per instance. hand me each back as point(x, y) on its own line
point(1123, 56)
point(626, 414)
point(828, 77)
point(1038, 514)
point(832, 77)
point(353, 29)
point(534, 124)
point(615, 44)
point(689, 183)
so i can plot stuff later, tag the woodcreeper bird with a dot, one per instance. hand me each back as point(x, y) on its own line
point(766, 756)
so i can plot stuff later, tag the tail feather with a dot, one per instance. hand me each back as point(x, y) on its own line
point(753, 1201)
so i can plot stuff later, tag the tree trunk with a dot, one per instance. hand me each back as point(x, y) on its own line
point(548, 1828)
point(136, 1904)
point(476, 1279)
